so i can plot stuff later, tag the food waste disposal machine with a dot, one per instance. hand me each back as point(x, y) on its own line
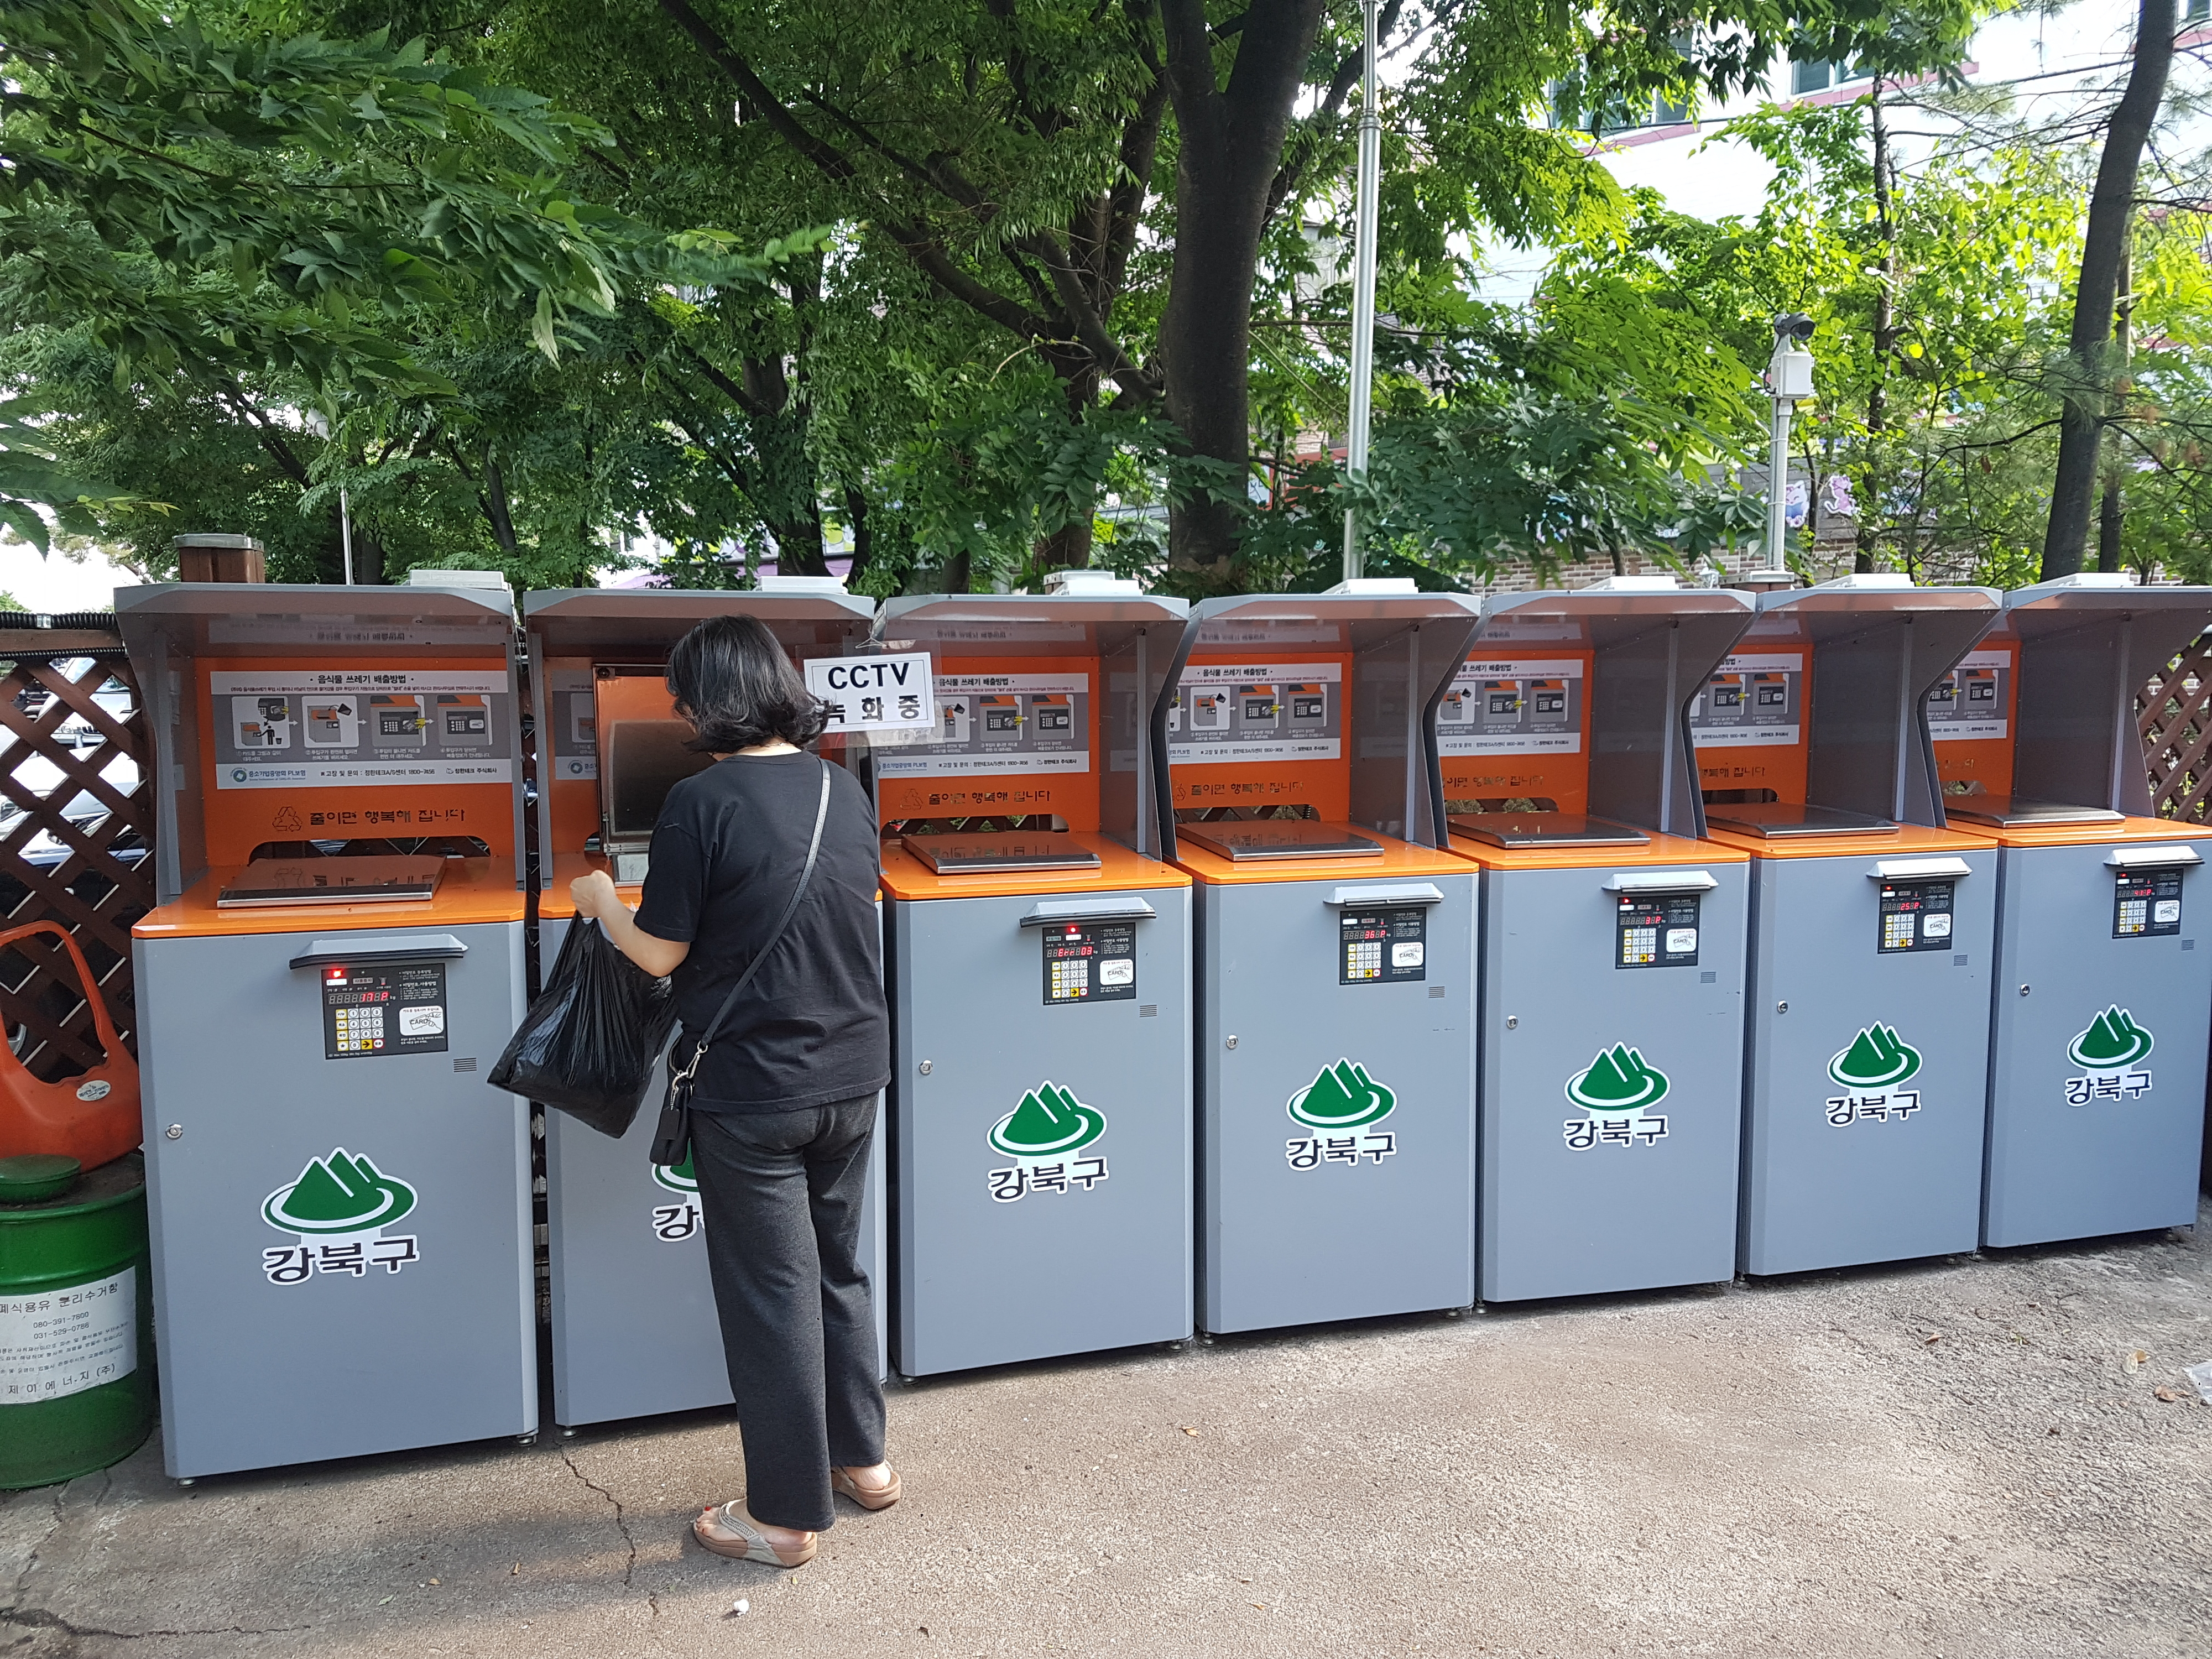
point(1612, 948)
point(1872, 925)
point(1040, 979)
point(2102, 999)
point(1335, 951)
point(609, 746)
point(339, 1201)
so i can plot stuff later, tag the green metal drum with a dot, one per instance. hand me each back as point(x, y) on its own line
point(76, 1333)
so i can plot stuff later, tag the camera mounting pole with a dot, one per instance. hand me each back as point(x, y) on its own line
point(1789, 383)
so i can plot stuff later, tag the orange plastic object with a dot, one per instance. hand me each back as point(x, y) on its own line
point(93, 1118)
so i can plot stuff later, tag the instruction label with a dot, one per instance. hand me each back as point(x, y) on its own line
point(1507, 707)
point(361, 728)
point(61, 1342)
point(995, 723)
point(1238, 713)
point(1972, 699)
point(1751, 699)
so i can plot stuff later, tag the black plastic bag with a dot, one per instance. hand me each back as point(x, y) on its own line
point(588, 1044)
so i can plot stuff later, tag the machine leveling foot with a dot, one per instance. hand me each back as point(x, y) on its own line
point(530, 1439)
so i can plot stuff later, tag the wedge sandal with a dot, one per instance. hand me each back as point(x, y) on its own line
point(868, 1498)
point(727, 1531)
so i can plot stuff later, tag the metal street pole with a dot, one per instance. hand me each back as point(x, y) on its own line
point(1789, 383)
point(345, 531)
point(1363, 281)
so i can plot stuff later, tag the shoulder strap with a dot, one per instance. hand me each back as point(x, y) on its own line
point(775, 934)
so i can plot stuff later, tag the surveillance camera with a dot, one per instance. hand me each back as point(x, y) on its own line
point(1793, 325)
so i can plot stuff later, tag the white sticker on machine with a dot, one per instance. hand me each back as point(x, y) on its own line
point(1512, 707)
point(995, 723)
point(1751, 700)
point(1241, 711)
point(61, 1342)
point(361, 728)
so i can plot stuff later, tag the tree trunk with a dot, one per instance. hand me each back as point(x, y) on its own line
point(2112, 210)
point(856, 514)
point(1232, 145)
point(2111, 509)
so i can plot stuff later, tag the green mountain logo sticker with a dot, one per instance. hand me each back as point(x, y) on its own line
point(1049, 1121)
point(1343, 1097)
point(2113, 1040)
point(340, 1193)
point(1618, 1080)
point(1877, 1058)
point(679, 1178)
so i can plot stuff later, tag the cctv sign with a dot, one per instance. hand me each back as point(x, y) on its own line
point(874, 694)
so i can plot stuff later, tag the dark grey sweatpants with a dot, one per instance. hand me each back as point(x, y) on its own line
point(781, 1195)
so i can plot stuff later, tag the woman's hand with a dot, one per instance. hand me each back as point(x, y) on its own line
point(594, 895)
point(596, 899)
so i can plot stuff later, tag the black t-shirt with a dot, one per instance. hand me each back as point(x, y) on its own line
point(812, 1026)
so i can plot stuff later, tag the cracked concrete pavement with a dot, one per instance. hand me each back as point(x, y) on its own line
point(1953, 1458)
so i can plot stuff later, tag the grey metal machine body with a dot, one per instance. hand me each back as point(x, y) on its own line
point(1001, 1255)
point(2103, 989)
point(1582, 1194)
point(634, 1332)
point(1301, 1218)
point(281, 1345)
point(1871, 951)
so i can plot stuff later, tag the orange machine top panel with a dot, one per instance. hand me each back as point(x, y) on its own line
point(1399, 858)
point(1909, 840)
point(2092, 834)
point(1515, 723)
point(470, 890)
point(1970, 718)
point(305, 748)
point(1015, 736)
point(906, 876)
point(1264, 727)
point(1659, 850)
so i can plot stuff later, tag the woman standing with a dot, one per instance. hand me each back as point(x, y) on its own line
point(784, 1103)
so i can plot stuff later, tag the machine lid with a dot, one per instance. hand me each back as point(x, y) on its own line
point(2013, 811)
point(1545, 829)
point(1281, 838)
point(984, 854)
point(379, 879)
point(1778, 820)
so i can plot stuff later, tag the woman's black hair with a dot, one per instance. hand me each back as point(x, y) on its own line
point(732, 680)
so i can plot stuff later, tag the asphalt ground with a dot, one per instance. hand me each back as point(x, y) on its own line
point(1957, 1457)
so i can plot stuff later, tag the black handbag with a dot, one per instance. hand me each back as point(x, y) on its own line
point(671, 1136)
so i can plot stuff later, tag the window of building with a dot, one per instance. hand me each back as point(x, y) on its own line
point(1818, 75)
point(2196, 12)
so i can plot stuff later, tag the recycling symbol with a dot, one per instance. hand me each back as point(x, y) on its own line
point(286, 818)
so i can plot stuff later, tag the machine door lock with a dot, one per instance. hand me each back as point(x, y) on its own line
point(1512, 1022)
point(175, 1132)
point(2023, 990)
point(1781, 1007)
point(1228, 1042)
point(927, 1067)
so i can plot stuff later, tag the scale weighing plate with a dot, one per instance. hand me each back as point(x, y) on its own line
point(1776, 820)
point(378, 878)
point(2011, 811)
point(969, 855)
point(1545, 829)
point(1280, 838)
